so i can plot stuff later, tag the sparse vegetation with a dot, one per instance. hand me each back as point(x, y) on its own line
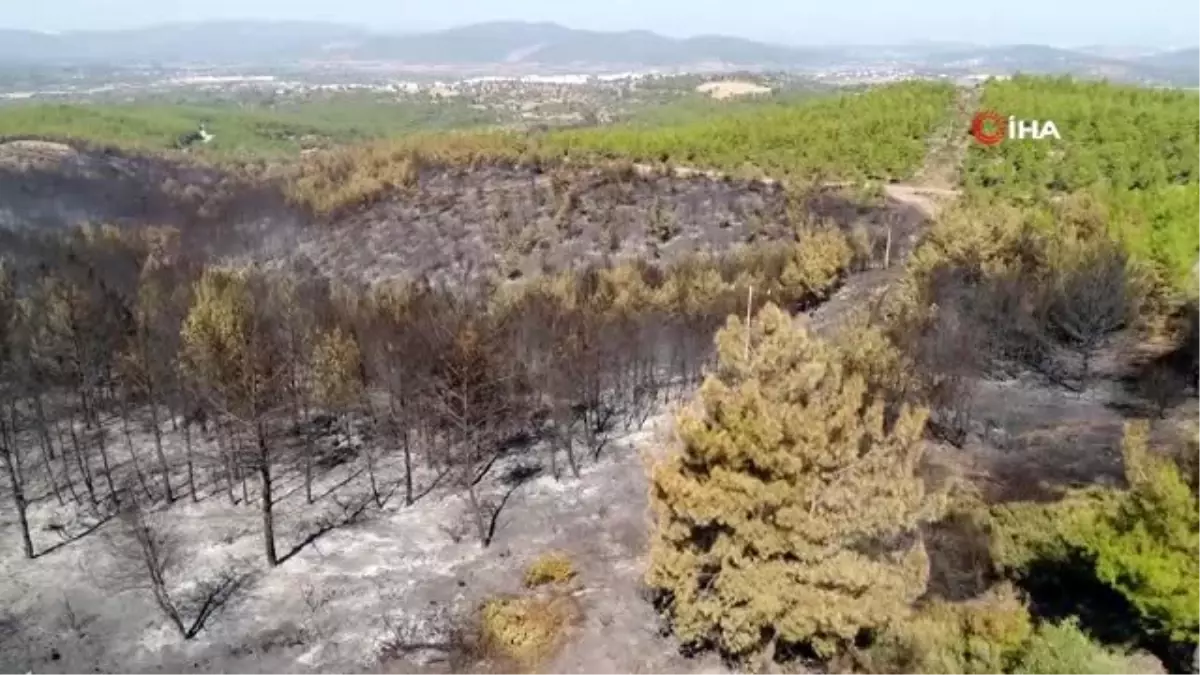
point(550, 568)
point(526, 629)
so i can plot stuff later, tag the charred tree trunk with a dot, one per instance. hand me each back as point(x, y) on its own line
point(308, 454)
point(405, 434)
point(268, 515)
point(564, 435)
point(47, 454)
point(133, 456)
point(63, 455)
point(12, 462)
point(190, 461)
point(164, 468)
point(480, 518)
point(102, 446)
point(226, 451)
point(188, 449)
point(370, 459)
point(408, 466)
point(241, 470)
point(84, 469)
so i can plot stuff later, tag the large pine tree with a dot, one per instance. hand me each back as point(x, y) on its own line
point(790, 513)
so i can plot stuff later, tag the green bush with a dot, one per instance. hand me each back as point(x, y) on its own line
point(1140, 542)
point(990, 634)
point(1064, 648)
point(789, 514)
point(984, 635)
point(1147, 548)
point(1023, 533)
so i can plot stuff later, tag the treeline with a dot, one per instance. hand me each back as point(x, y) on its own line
point(1133, 152)
point(879, 134)
point(1123, 136)
point(254, 132)
point(106, 327)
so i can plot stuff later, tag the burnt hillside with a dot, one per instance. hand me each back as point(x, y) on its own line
point(452, 223)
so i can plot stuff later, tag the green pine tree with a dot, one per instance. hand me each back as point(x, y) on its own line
point(790, 513)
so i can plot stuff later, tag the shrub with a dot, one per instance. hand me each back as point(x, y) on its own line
point(1092, 298)
point(818, 261)
point(525, 629)
point(1146, 549)
point(1137, 545)
point(550, 568)
point(1064, 648)
point(990, 634)
point(1023, 533)
point(790, 513)
point(984, 635)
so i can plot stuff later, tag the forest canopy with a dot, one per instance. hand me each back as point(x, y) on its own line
point(1129, 158)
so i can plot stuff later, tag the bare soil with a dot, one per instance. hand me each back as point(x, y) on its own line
point(732, 89)
point(407, 574)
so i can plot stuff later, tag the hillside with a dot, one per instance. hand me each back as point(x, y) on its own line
point(500, 42)
point(238, 131)
point(545, 45)
point(801, 141)
point(1179, 58)
point(206, 42)
point(552, 44)
point(798, 385)
point(1132, 152)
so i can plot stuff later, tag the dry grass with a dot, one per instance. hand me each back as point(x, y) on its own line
point(550, 568)
point(526, 631)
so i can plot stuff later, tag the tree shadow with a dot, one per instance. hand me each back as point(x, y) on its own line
point(351, 513)
point(328, 491)
point(213, 595)
point(1159, 384)
point(67, 540)
point(514, 478)
point(339, 485)
point(1061, 587)
point(437, 480)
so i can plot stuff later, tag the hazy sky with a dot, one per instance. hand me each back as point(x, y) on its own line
point(1153, 23)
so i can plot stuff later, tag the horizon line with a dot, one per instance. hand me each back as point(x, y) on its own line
point(397, 32)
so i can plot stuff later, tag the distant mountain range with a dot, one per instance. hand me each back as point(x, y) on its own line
point(548, 45)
